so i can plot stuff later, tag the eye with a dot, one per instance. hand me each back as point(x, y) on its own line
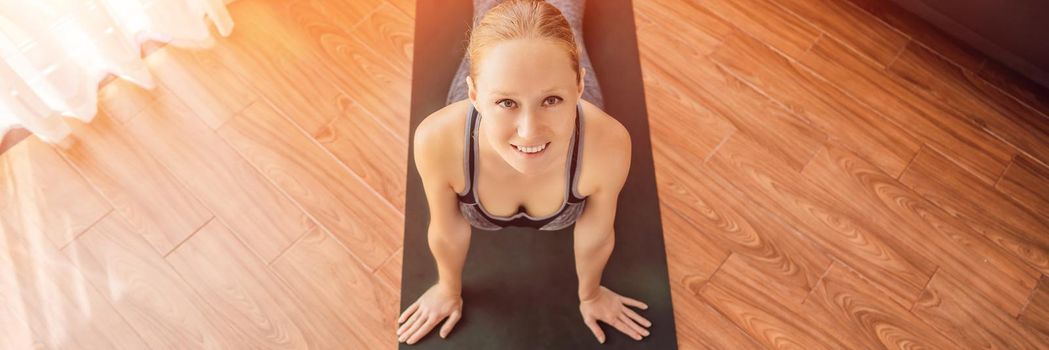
point(552, 100)
point(506, 103)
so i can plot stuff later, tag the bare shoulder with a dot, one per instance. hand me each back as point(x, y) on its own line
point(438, 144)
point(606, 151)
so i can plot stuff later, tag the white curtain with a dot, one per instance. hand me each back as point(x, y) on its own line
point(53, 53)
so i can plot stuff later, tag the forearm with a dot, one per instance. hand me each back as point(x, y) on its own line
point(449, 249)
point(591, 255)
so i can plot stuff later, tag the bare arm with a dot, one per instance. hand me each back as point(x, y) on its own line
point(593, 245)
point(594, 240)
point(448, 233)
point(594, 236)
point(449, 243)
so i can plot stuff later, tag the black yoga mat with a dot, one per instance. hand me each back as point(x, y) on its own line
point(519, 284)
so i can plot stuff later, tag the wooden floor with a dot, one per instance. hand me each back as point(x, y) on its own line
point(832, 175)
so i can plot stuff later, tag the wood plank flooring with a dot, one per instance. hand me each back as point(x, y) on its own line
point(831, 175)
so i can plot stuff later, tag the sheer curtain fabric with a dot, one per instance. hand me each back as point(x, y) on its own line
point(54, 53)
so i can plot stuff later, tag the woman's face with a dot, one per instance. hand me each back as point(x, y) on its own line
point(526, 92)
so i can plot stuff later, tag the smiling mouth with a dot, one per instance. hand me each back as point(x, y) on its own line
point(531, 149)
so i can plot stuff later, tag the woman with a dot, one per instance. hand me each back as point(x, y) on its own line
point(543, 155)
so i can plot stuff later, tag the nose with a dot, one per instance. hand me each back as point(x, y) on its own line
point(528, 126)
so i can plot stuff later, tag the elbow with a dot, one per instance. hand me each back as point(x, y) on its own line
point(596, 244)
point(456, 232)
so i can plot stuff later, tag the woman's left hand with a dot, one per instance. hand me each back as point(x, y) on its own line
point(611, 308)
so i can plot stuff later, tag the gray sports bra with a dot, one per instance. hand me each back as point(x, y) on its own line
point(480, 218)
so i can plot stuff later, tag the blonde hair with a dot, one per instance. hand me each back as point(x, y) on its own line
point(522, 19)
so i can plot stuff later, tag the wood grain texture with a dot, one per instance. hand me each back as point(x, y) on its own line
point(122, 100)
point(228, 185)
point(14, 330)
point(852, 26)
point(35, 187)
point(1036, 315)
point(844, 297)
point(748, 111)
point(739, 293)
point(976, 151)
point(147, 292)
point(372, 80)
point(1017, 86)
point(255, 309)
point(155, 204)
point(214, 91)
point(767, 122)
point(701, 326)
point(982, 104)
point(348, 15)
point(845, 121)
point(947, 305)
point(678, 114)
point(390, 33)
point(53, 304)
point(406, 6)
point(390, 271)
point(1027, 183)
point(987, 211)
point(846, 234)
point(766, 21)
point(308, 82)
point(921, 31)
point(1003, 279)
point(729, 221)
point(678, 110)
point(332, 195)
point(689, 24)
point(700, 254)
point(358, 140)
point(300, 86)
point(335, 287)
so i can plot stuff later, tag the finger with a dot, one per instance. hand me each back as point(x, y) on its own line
point(634, 303)
point(408, 312)
point(595, 329)
point(415, 327)
point(634, 315)
point(625, 329)
point(636, 327)
point(450, 323)
point(422, 331)
point(409, 323)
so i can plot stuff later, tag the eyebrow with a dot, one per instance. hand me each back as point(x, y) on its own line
point(509, 94)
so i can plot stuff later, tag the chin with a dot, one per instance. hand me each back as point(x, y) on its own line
point(524, 166)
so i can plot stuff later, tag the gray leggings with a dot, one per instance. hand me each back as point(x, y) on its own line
point(573, 12)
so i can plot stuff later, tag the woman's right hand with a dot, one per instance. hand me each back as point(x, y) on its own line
point(433, 306)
